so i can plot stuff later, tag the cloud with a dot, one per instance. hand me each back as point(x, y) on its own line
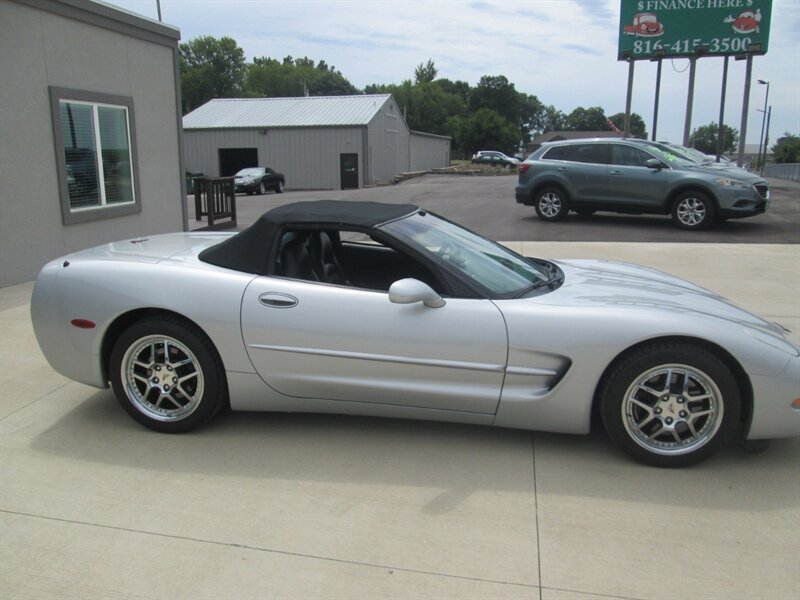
point(563, 51)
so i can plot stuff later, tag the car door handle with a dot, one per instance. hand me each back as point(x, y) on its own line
point(278, 300)
point(615, 172)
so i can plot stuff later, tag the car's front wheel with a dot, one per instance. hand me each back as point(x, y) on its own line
point(670, 404)
point(262, 189)
point(551, 204)
point(693, 210)
point(167, 375)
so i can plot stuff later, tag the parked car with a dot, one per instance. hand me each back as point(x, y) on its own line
point(635, 177)
point(424, 320)
point(257, 180)
point(492, 157)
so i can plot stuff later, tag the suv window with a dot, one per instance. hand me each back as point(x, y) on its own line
point(557, 153)
point(589, 153)
point(627, 156)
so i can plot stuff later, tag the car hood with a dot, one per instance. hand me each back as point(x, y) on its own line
point(152, 248)
point(728, 172)
point(623, 285)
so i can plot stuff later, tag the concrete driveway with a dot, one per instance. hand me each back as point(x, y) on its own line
point(306, 506)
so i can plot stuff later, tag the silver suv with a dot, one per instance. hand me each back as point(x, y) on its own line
point(635, 177)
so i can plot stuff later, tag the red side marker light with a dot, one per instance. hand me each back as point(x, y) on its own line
point(83, 323)
point(524, 167)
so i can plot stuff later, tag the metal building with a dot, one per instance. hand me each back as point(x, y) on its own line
point(319, 142)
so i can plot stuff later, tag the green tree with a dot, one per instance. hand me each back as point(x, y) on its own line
point(587, 119)
point(455, 88)
point(210, 68)
point(425, 73)
point(484, 129)
point(638, 128)
point(705, 138)
point(295, 77)
point(787, 149)
point(496, 93)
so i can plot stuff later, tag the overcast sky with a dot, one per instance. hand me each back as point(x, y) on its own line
point(563, 51)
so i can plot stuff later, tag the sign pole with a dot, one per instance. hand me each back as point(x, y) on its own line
point(658, 94)
point(721, 134)
point(689, 102)
point(626, 130)
point(745, 107)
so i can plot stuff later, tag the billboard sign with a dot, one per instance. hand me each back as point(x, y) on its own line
point(672, 28)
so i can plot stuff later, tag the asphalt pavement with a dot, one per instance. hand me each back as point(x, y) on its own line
point(486, 205)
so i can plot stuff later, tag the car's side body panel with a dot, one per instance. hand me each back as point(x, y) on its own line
point(346, 344)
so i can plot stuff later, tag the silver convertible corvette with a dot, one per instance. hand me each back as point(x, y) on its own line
point(389, 310)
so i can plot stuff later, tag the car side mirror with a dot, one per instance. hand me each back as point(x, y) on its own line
point(409, 291)
point(654, 163)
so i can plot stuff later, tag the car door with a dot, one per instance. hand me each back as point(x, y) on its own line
point(630, 181)
point(585, 169)
point(316, 340)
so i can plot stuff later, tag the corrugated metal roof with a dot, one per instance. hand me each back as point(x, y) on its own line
point(313, 111)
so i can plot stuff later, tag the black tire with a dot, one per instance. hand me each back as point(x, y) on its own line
point(262, 189)
point(693, 211)
point(663, 425)
point(551, 204)
point(279, 187)
point(146, 371)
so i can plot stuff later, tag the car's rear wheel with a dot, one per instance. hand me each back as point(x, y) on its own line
point(262, 189)
point(693, 210)
point(551, 204)
point(279, 187)
point(167, 375)
point(670, 404)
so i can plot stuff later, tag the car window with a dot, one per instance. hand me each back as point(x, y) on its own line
point(627, 156)
point(557, 153)
point(251, 172)
point(589, 153)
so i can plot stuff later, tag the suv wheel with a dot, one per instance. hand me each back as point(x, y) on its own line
point(693, 210)
point(551, 204)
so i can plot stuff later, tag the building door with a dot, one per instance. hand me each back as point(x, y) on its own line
point(349, 171)
point(233, 160)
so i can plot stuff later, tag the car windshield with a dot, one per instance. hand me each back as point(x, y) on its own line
point(672, 156)
point(483, 261)
point(249, 172)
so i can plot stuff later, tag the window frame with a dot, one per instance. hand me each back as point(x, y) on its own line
point(69, 215)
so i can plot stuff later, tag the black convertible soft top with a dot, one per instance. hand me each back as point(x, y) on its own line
point(250, 249)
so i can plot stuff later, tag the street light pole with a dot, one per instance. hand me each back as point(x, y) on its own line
point(763, 121)
point(766, 140)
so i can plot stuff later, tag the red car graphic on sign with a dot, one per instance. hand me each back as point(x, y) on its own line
point(746, 22)
point(644, 25)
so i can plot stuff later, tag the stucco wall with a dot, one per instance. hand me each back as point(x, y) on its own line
point(38, 49)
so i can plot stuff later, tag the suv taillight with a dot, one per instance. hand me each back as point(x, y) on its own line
point(524, 167)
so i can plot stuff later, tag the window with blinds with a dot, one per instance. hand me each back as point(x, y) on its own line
point(97, 152)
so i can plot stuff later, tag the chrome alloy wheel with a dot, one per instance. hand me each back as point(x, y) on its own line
point(672, 409)
point(162, 378)
point(550, 204)
point(691, 211)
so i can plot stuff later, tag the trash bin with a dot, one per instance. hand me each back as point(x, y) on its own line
point(190, 175)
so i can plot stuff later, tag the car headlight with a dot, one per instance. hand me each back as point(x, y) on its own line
point(733, 183)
